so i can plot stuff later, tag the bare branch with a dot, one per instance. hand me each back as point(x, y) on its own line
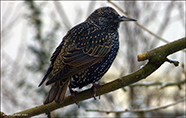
point(156, 58)
point(140, 110)
point(62, 14)
point(163, 51)
point(160, 84)
point(137, 23)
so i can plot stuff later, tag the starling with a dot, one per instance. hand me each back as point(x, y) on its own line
point(85, 53)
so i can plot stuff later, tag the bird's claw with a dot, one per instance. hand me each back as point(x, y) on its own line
point(73, 94)
point(94, 85)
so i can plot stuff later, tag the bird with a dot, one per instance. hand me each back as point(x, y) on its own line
point(85, 54)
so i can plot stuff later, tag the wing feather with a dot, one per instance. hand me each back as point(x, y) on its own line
point(77, 53)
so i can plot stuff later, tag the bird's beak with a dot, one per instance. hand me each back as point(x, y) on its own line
point(123, 18)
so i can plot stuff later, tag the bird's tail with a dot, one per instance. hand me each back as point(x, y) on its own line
point(57, 92)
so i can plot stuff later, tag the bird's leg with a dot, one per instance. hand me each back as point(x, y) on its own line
point(73, 94)
point(48, 114)
point(94, 85)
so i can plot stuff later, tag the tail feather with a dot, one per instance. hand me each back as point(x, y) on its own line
point(57, 92)
point(45, 77)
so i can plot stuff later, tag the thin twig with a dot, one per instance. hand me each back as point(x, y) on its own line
point(137, 23)
point(161, 84)
point(62, 14)
point(139, 110)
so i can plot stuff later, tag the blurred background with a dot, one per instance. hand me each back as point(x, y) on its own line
point(30, 32)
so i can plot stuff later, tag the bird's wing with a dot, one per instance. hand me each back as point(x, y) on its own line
point(90, 47)
point(52, 59)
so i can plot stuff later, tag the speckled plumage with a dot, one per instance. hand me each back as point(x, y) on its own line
point(85, 54)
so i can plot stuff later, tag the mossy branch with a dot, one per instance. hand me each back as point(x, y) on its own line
point(156, 58)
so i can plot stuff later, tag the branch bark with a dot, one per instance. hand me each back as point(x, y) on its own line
point(156, 58)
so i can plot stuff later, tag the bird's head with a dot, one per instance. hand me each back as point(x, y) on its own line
point(107, 18)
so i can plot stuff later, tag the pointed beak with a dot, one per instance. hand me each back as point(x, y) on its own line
point(123, 18)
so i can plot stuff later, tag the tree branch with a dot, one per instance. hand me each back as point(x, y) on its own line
point(164, 51)
point(156, 58)
point(160, 84)
point(140, 110)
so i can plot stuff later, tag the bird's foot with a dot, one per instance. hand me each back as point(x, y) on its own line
point(73, 94)
point(94, 86)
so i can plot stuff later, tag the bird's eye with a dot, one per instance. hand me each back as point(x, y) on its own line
point(110, 18)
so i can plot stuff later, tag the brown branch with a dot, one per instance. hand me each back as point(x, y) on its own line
point(140, 110)
point(163, 51)
point(156, 58)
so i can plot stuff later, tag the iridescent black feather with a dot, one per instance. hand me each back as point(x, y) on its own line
point(85, 54)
